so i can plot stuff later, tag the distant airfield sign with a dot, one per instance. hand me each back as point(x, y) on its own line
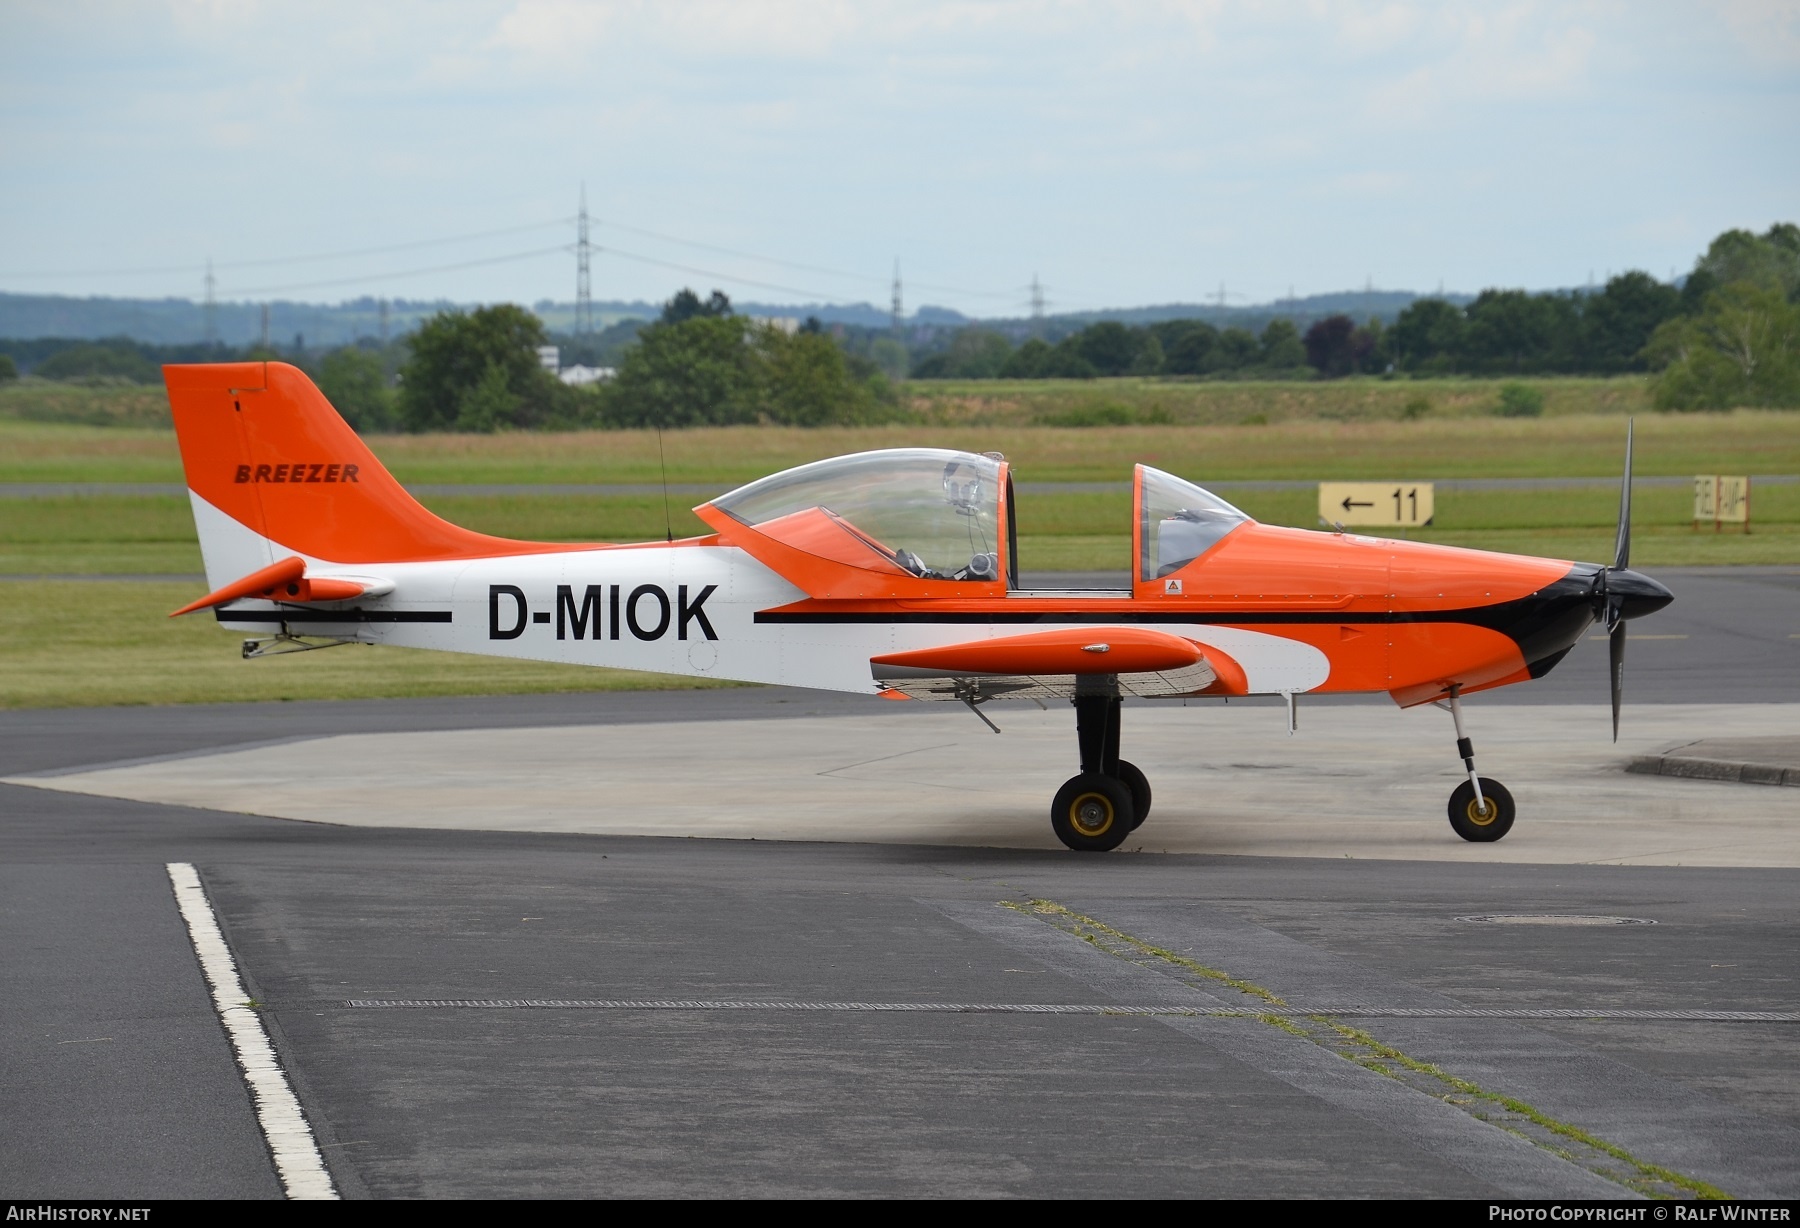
point(1722, 499)
point(1395, 505)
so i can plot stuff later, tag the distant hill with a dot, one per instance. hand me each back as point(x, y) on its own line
point(178, 321)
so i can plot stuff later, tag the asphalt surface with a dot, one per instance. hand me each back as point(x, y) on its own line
point(116, 1080)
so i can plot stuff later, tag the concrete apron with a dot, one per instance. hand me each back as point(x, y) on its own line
point(1364, 781)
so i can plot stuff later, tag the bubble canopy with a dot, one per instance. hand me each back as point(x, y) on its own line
point(931, 513)
point(1178, 522)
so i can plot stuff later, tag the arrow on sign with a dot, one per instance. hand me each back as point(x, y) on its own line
point(1348, 504)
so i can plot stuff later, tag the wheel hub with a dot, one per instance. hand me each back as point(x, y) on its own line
point(1091, 814)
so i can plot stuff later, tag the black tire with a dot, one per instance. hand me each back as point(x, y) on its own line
point(1092, 813)
point(1467, 818)
point(1139, 784)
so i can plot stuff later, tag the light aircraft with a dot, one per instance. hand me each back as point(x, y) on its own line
point(892, 573)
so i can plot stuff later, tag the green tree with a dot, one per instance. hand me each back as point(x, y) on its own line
point(1742, 350)
point(1066, 361)
point(1769, 260)
point(973, 353)
point(1511, 330)
point(699, 371)
point(890, 356)
point(9, 370)
point(1237, 349)
point(1427, 335)
point(1149, 360)
point(118, 359)
point(478, 371)
point(686, 305)
point(1190, 347)
point(1109, 347)
point(806, 380)
point(1281, 346)
point(1029, 361)
point(352, 380)
point(1617, 323)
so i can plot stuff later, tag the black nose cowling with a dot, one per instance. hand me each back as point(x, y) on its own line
point(1635, 593)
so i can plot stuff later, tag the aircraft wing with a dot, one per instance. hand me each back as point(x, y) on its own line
point(1051, 664)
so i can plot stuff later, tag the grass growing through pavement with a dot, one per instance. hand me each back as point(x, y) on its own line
point(90, 643)
point(1357, 1045)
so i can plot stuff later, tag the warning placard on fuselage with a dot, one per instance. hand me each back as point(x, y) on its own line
point(1393, 504)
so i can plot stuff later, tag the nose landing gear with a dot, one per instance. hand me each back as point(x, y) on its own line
point(1481, 810)
point(1095, 811)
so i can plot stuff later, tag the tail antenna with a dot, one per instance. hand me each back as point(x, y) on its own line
point(662, 461)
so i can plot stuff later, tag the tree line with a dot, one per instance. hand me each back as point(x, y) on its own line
point(1729, 335)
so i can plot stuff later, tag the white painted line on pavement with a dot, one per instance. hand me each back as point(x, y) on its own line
point(284, 1125)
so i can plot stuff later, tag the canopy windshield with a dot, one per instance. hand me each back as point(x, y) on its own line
point(1179, 522)
point(926, 512)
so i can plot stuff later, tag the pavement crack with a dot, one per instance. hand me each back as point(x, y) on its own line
point(1559, 1138)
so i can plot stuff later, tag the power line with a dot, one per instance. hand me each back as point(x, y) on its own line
point(788, 264)
point(742, 281)
point(440, 268)
point(412, 245)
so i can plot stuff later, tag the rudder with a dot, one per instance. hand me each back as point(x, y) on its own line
point(263, 449)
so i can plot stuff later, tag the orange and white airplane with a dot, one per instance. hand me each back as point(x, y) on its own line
point(890, 572)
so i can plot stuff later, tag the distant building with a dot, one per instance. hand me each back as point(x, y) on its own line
point(550, 358)
point(787, 324)
point(579, 375)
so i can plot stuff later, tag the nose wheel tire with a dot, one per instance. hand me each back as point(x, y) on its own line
point(1139, 784)
point(1093, 813)
point(1471, 821)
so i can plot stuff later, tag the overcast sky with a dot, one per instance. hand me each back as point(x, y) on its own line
point(1126, 153)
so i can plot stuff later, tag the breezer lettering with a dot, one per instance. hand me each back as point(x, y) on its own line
point(646, 611)
point(300, 471)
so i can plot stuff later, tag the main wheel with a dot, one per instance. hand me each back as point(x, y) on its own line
point(1139, 784)
point(1092, 813)
point(1471, 821)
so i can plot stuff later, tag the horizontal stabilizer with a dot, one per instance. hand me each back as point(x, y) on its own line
point(287, 581)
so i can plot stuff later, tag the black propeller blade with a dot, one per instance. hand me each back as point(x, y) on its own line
point(1619, 594)
point(1615, 606)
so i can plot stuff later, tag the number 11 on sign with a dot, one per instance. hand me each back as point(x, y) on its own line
point(1393, 504)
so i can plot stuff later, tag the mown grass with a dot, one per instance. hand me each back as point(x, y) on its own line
point(93, 643)
point(108, 643)
point(1308, 438)
point(154, 534)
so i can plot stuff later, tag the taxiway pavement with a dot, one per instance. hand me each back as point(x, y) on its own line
point(1647, 1004)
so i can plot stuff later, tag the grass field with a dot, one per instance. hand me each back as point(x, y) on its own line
point(154, 534)
point(1745, 441)
point(91, 643)
point(123, 651)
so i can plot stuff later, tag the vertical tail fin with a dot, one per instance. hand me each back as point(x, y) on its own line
point(274, 470)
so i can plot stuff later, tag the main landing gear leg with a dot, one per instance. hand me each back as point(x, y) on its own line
point(1480, 808)
point(1095, 811)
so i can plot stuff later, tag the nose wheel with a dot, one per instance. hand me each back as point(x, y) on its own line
point(1481, 809)
point(1095, 811)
